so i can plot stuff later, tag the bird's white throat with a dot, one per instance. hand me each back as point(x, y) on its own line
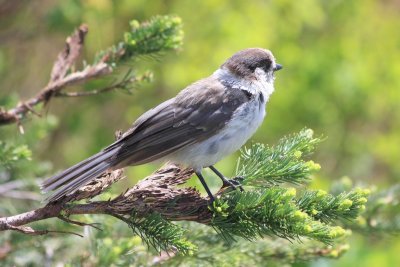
point(263, 82)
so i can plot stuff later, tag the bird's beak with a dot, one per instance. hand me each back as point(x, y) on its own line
point(278, 67)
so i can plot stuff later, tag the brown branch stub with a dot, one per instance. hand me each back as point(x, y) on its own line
point(67, 220)
point(67, 57)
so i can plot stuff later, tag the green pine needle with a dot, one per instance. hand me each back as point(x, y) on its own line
point(147, 39)
point(270, 211)
point(266, 166)
point(327, 208)
point(159, 34)
point(161, 234)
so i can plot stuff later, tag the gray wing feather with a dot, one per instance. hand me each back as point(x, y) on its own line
point(197, 113)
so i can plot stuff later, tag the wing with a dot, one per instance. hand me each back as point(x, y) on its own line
point(198, 112)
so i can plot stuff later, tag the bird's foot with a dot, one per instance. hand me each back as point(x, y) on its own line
point(234, 183)
point(238, 179)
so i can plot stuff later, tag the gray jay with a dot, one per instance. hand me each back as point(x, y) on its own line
point(205, 122)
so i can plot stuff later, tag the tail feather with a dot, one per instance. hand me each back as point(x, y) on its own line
point(74, 171)
point(73, 178)
point(44, 186)
point(75, 184)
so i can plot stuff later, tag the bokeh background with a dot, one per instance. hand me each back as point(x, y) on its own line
point(341, 77)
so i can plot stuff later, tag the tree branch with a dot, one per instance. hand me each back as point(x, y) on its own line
point(153, 194)
point(59, 78)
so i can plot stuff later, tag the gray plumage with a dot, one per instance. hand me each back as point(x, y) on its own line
point(197, 114)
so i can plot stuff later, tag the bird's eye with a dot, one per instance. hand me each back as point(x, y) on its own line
point(267, 66)
point(252, 67)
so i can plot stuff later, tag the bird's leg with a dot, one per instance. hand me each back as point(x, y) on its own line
point(226, 182)
point(203, 182)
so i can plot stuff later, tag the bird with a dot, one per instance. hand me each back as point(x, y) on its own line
point(206, 121)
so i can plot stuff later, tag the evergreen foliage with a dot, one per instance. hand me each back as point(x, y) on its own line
point(267, 166)
point(328, 208)
point(267, 210)
point(160, 233)
point(159, 34)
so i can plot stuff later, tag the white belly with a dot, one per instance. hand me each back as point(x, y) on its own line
point(238, 130)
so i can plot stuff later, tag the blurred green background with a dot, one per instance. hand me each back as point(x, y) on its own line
point(341, 77)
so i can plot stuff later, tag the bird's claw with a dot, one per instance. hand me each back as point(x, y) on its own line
point(234, 183)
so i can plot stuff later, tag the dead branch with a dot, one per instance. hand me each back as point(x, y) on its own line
point(59, 79)
point(66, 58)
point(156, 193)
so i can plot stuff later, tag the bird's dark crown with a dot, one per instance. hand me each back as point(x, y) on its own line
point(244, 63)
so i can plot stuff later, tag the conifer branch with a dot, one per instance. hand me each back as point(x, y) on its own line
point(264, 210)
point(160, 234)
point(268, 166)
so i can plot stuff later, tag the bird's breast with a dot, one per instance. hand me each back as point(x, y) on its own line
point(242, 125)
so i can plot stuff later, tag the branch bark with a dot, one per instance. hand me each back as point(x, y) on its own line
point(156, 193)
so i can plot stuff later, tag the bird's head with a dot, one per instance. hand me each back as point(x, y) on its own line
point(252, 63)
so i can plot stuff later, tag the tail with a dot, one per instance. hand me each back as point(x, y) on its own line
point(70, 180)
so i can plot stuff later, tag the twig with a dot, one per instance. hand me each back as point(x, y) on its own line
point(68, 220)
point(119, 85)
point(88, 93)
point(31, 109)
point(28, 230)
